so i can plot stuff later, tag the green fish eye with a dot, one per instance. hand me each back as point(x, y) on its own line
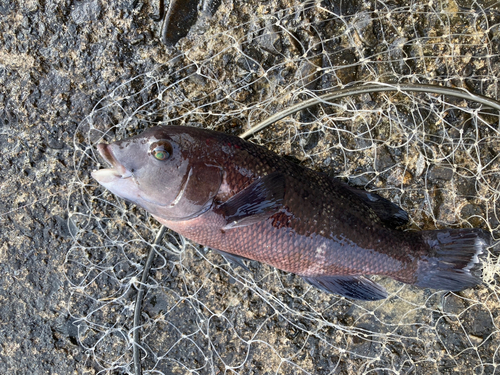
point(160, 154)
point(161, 150)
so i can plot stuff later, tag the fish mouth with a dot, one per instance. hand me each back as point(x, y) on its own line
point(108, 175)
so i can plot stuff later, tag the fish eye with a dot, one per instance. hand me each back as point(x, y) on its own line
point(161, 150)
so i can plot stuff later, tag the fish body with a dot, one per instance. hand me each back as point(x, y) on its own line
point(249, 203)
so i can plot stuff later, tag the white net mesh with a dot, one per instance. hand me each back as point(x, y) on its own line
point(436, 156)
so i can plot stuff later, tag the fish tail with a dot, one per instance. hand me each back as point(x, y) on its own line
point(454, 261)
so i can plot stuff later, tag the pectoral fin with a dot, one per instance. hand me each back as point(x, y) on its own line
point(357, 287)
point(258, 201)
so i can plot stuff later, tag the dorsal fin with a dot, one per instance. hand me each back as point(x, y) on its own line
point(389, 213)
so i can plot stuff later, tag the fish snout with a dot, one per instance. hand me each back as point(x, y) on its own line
point(109, 174)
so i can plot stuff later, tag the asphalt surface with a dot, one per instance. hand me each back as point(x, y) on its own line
point(58, 59)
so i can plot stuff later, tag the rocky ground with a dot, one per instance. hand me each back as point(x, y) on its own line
point(58, 59)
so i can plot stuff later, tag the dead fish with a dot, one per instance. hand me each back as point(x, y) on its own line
point(249, 203)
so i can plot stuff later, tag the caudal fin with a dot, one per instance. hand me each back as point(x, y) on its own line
point(454, 261)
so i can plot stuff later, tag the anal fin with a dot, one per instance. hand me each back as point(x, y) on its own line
point(357, 287)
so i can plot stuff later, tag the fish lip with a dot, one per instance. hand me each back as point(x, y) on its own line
point(117, 169)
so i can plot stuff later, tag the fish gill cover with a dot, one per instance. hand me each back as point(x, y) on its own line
point(435, 156)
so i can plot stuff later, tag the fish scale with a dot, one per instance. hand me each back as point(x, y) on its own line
point(249, 203)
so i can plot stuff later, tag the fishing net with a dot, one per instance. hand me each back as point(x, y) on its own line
point(437, 156)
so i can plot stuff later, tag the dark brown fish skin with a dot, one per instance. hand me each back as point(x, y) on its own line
point(318, 214)
point(323, 227)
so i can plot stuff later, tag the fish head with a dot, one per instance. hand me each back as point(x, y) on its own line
point(163, 170)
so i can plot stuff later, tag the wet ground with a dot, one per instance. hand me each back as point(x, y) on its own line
point(59, 64)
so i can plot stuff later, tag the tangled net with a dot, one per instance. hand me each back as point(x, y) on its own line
point(436, 156)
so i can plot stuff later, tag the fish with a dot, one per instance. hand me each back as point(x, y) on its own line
point(248, 203)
